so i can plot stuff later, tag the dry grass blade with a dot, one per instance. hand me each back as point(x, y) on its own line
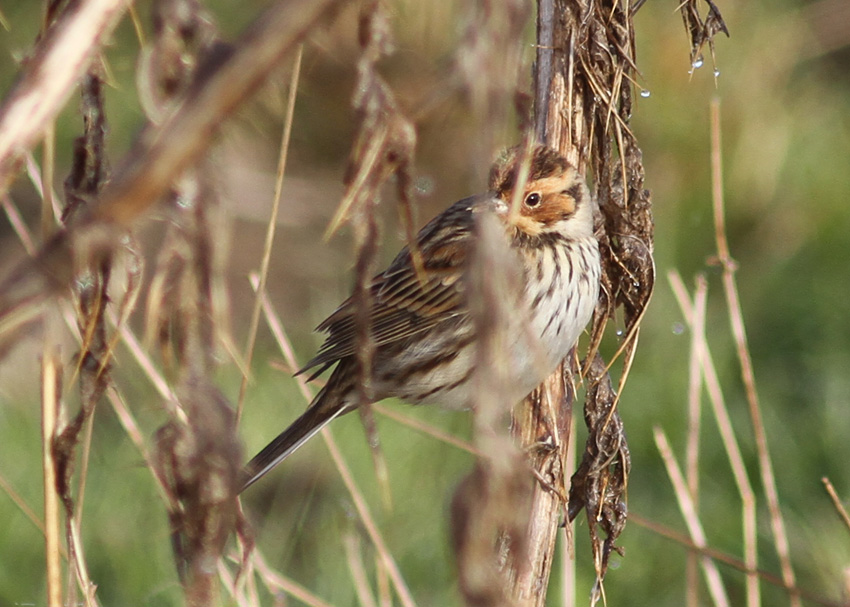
point(61, 57)
point(727, 559)
point(275, 581)
point(689, 513)
point(351, 543)
point(270, 229)
point(426, 428)
point(24, 507)
point(836, 501)
point(50, 395)
point(696, 319)
point(736, 319)
point(165, 150)
point(403, 592)
point(694, 425)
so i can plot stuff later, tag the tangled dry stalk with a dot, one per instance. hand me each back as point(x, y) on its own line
point(505, 519)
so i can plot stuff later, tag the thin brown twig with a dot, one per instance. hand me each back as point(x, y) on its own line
point(270, 229)
point(736, 319)
point(48, 160)
point(164, 151)
point(18, 224)
point(426, 428)
point(400, 417)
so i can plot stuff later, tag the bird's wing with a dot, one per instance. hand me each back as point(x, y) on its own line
point(406, 301)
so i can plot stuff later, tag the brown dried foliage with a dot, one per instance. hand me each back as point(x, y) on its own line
point(161, 153)
point(585, 87)
point(197, 456)
point(189, 83)
point(586, 69)
point(702, 30)
point(491, 506)
point(383, 148)
point(88, 174)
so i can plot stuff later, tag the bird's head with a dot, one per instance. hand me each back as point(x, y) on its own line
point(554, 201)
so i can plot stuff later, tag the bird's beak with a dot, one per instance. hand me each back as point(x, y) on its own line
point(495, 204)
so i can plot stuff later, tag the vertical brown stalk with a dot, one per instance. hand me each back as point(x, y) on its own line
point(583, 102)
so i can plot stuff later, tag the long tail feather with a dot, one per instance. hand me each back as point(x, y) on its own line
point(316, 417)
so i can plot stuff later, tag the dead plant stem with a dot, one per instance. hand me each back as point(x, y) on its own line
point(270, 229)
point(403, 592)
point(839, 507)
point(689, 513)
point(727, 559)
point(694, 424)
point(50, 394)
point(727, 435)
point(736, 320)
point(62, 56)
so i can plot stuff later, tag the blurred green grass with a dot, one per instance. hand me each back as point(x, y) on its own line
point(786, 144)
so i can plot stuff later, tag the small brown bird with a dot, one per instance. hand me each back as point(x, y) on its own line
point(424, 335)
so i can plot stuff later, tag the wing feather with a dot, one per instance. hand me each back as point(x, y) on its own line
point(405, 302)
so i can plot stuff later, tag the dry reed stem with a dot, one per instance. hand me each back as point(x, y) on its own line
point(18, 224)
point(426, 428)
point(359, 577)
point(692, 449)
point(689, 513)
point(274, 580)
point(736, 319)
point(588, 57)
point(50, 397)
point(836, 502)
point(271, 228)
point(359, 501)
point(60, 58)
point(568, 556)
point(25, 508)
point(491, 529)
point(727, 434)
point(165, 150)
point(48, 202)
point(727, 559)
point(87, 175)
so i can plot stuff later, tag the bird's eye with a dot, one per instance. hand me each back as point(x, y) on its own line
point(533, 199)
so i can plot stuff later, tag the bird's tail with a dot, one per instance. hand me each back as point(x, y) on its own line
point(316, 417)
